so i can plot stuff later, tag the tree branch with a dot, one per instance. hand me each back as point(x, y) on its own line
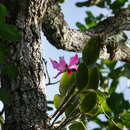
point(61, 36)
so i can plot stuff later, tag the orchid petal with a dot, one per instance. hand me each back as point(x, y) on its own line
point(73, 60)
point(55, 64)
point(62, 61)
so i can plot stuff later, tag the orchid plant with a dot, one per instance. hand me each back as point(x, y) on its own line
point(62, 66)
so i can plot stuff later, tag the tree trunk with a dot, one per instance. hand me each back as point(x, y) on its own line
point(27, 110)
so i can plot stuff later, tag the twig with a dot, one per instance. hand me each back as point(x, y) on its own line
point(64, 106)
point(61, 109)
point(52, 83)
point(47, 74)
point(65, 101)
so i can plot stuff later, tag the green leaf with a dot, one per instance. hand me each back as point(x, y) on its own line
point(117, 103)
point(10, 70)
point(117, 4)
point(9, 32)
point(57, 100)
point(66, 82)
point(88, 102)
point(81, 76)
point(4, 52)
point(3, 13)
point(90, 20)
point(102, 101)
point(81, 26)
point(110, 64)
point(5, 96)
point(77, 125)
point(93, 79)
point(61, 1)
point(115, 74)
point(128, 6)
point(91, 51)
point(126, 119)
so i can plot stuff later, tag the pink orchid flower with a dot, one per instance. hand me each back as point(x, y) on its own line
point(62, 66)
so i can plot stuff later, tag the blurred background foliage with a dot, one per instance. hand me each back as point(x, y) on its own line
point(97, 100)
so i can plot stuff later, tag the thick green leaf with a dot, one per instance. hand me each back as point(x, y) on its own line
point(89, 102)
point(9, 32)
point(57, 100)
point(82, 76)
point(5, 96)
point(117, 103)
point(77, 125)
point(93, 78)
point(66, 82)
point(3, 13)
point(91, 51)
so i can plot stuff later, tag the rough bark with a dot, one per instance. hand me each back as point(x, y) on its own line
point(28, 107)
point(62, 37)
point(27, 110)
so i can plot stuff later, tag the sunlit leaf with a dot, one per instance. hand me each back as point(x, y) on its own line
point(57, 100)
point(81, 26)
point(66, 82)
